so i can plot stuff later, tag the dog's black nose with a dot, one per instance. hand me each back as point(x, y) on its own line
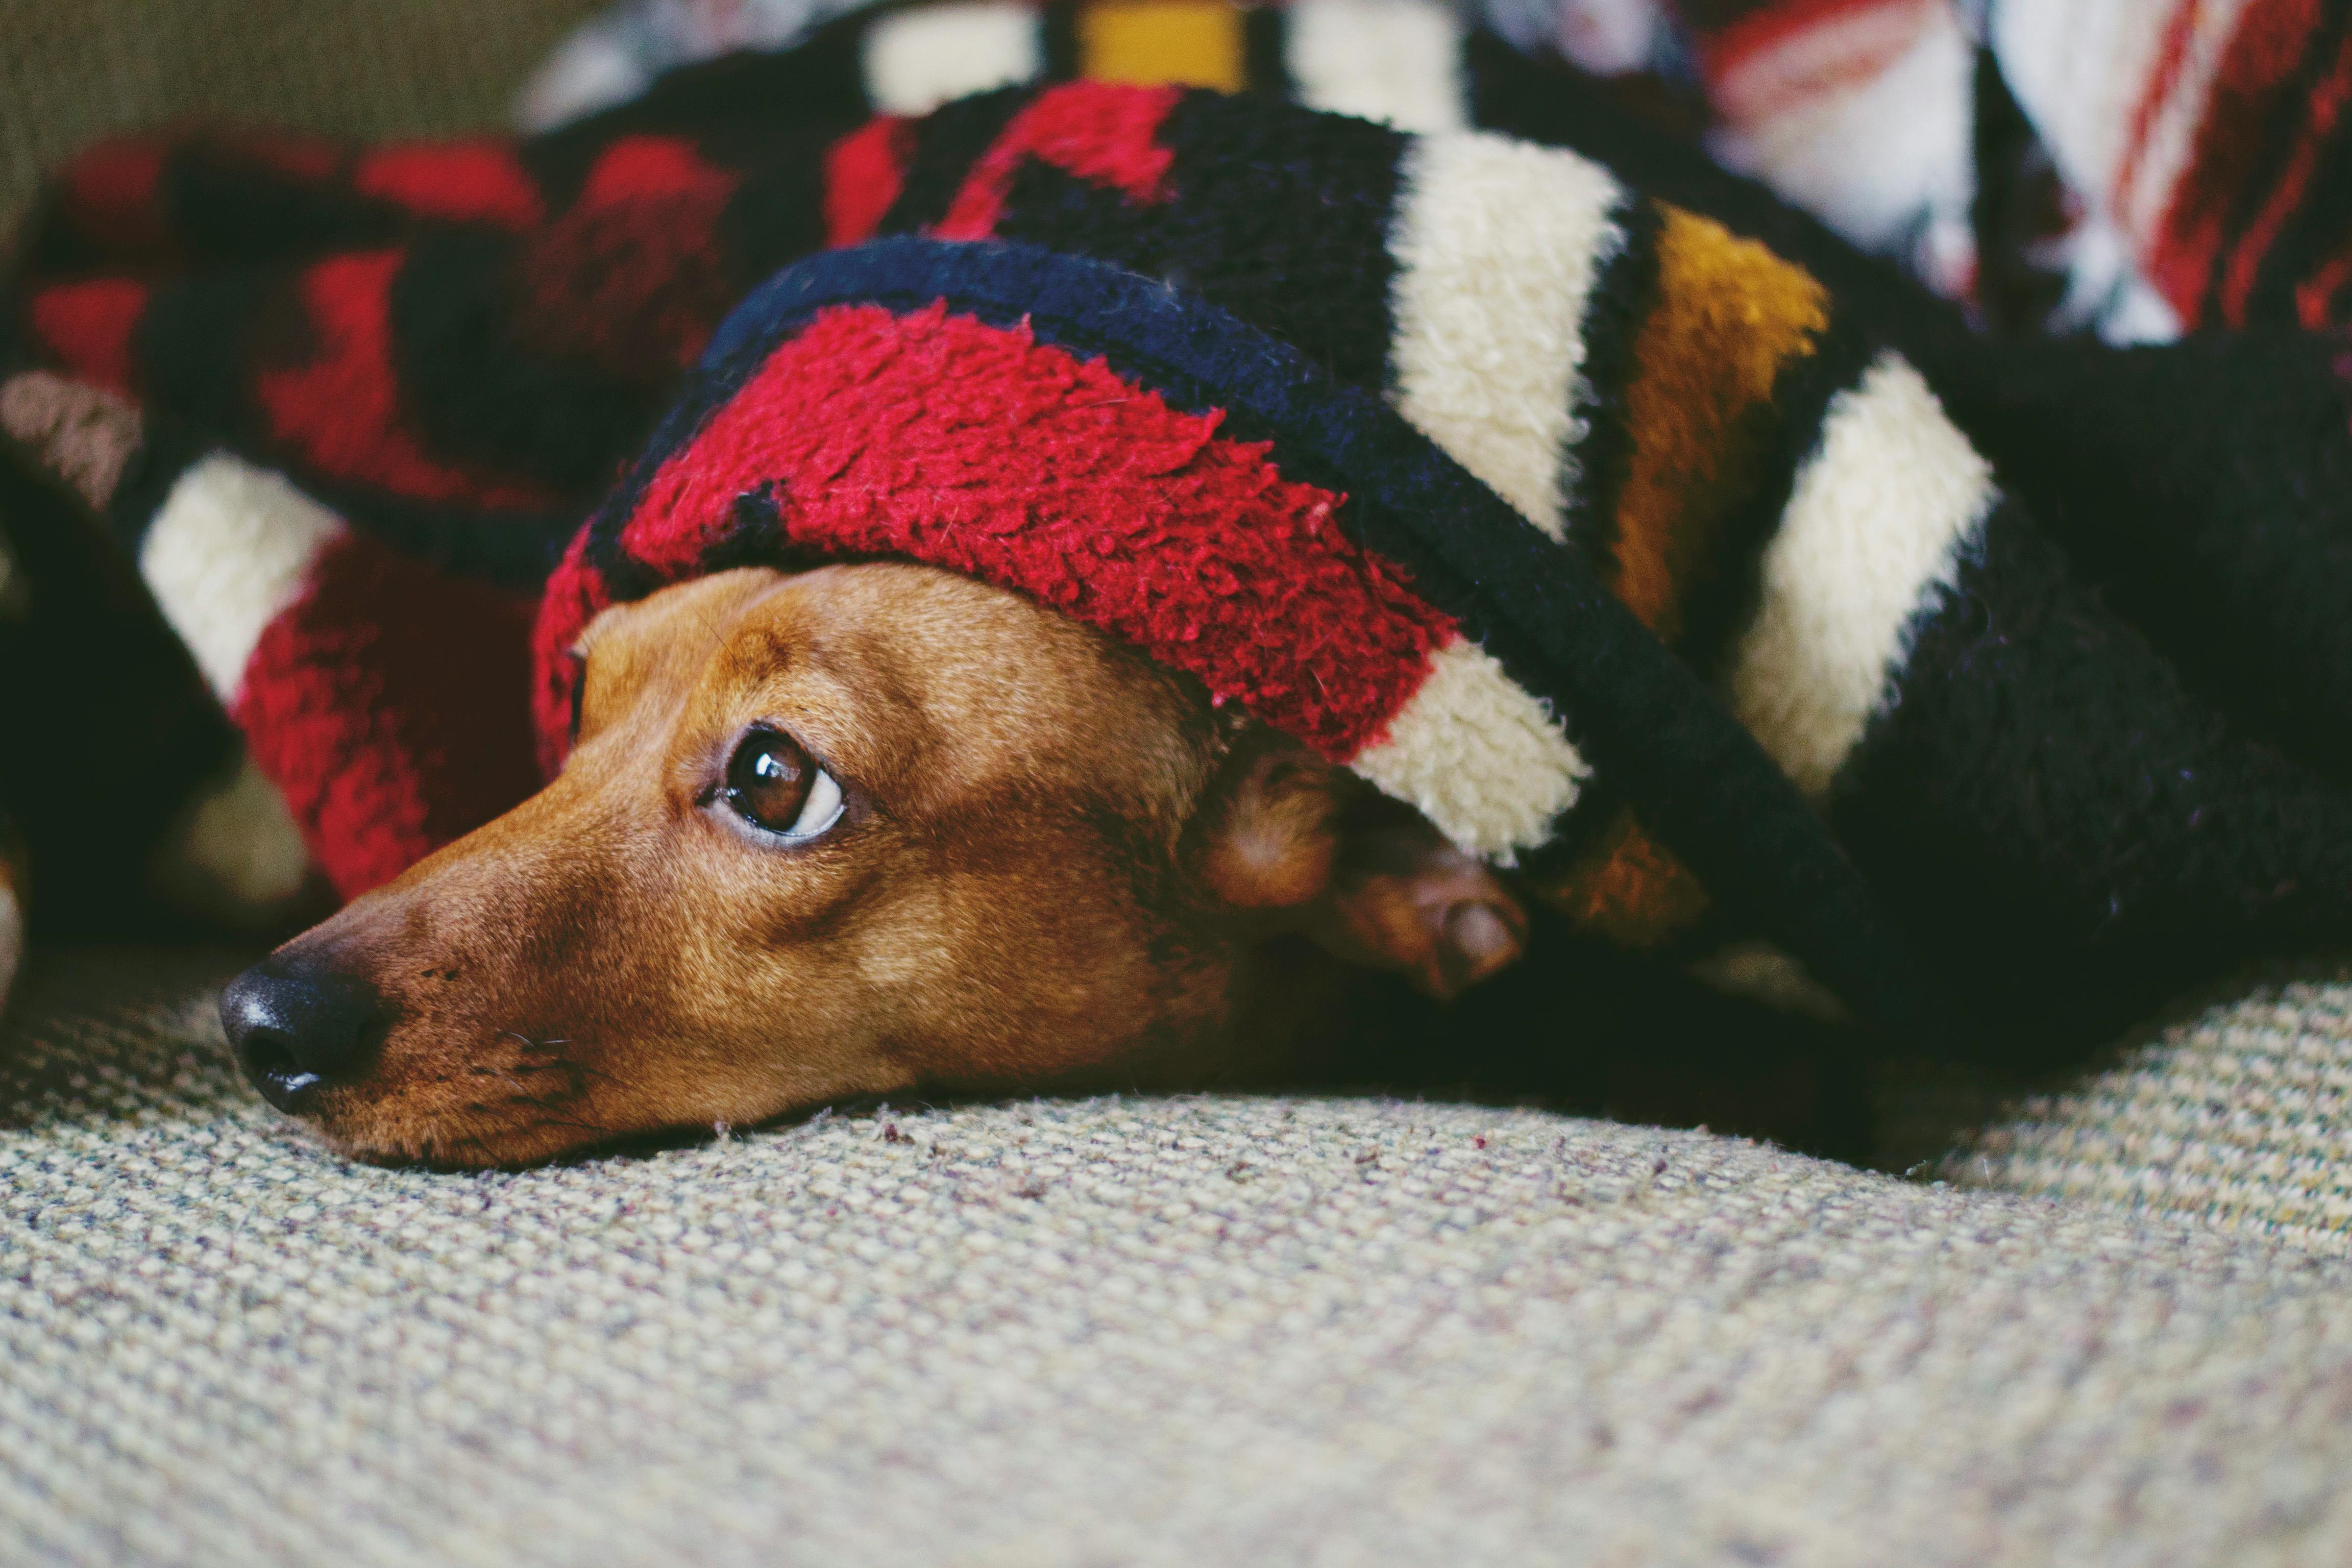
point(299, 1025)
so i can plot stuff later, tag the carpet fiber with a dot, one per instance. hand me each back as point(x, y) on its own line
point(1187, 1330)
point(2236, 1111)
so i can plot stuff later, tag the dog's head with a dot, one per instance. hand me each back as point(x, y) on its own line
point(863, 829)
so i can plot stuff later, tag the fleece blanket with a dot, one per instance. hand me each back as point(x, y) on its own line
point(1668, 567)
point(2139, 167)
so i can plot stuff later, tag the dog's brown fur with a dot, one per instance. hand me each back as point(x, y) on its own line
point(1058, 862)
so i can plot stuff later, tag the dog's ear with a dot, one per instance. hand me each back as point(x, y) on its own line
point(1292, 842)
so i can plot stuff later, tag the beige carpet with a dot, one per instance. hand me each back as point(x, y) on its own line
point(2236, 1111)
point(1171, 1331)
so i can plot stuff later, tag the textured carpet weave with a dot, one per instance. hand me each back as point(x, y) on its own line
point(1209, 1331)
point(2239, 1113)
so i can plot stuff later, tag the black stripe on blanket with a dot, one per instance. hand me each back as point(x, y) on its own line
point(2069, 830)
point(948, 142)
point(128, 735)
point(1229, 231)
point(1627, 293)
point(1724, 599)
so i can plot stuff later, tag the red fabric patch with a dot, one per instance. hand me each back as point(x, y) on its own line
point(89, 329)
point(633, 276)
point(2251, 91)
point(936, 438)
point(2314, 299)
point(575, 595)
point(864, 173)
point(653, 168)
point(389, 707)
point(111, 195)
point(459, 181)
point(1106, 132)
point(1724, 48)
point(339, 414)
point(2321, 114)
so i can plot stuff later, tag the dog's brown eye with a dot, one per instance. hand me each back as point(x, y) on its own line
point(776, 786)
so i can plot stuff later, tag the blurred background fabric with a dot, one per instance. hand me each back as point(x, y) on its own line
point(73, 71)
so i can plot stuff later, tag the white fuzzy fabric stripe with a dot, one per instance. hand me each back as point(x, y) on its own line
point(1483, 759)
point(1399, 61)
point(1498, 246)
point(230, 550)
point(1873, 535)
point(235, 856)
point(917, 61)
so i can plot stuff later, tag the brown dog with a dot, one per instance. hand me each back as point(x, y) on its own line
point(864, 829)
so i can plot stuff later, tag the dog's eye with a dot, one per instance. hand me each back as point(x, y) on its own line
point(776, 786)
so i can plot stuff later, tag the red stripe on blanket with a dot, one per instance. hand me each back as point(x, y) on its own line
point(2249, 95)
point(636, 274)
point(339, 412)
point(655, 169)
point(2315, 298)
point(89, 329)
point(390, 707)
point(458, 182)
point(1724, 47)
point(111, 197)
point(575, 594)
point(1104, 133)
point(938, 439)
point(2322, 114)
point(1783, 63)
point(864, 173)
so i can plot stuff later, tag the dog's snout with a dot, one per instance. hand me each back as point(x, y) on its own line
point(299, 1027)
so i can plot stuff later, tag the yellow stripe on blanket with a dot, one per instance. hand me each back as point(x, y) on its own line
point(1730, 315)
point(1701, 427)
point(1187, 43)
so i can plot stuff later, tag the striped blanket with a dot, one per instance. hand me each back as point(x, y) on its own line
point(1668, 567)
point(2139, 167)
